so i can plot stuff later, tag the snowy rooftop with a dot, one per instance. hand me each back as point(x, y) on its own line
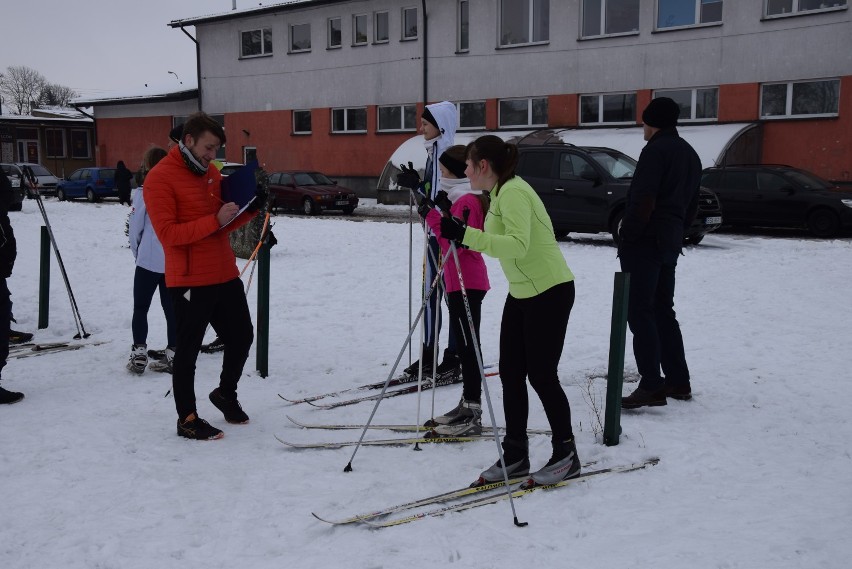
point(238, 12)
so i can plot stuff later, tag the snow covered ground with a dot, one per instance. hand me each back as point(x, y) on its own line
point(754, 472)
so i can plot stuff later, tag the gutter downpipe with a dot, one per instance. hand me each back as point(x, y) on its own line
point(197, 64)
point(425, 55)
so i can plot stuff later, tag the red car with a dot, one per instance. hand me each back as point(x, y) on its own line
point(310, 192)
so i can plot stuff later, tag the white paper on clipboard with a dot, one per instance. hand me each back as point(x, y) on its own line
point(236, 215)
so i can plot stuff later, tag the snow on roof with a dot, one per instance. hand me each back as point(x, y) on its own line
point(145, 92)
point(234, 13)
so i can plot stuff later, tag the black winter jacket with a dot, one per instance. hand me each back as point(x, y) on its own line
point(663, 196)
point(8, 246)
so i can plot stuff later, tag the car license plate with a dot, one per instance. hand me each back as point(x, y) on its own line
point(713, 220)
point(341, 202)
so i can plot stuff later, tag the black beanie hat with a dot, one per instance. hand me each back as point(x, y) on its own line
point(661, 112)
point(176, 133)
point(427, 114)
point(455, 166)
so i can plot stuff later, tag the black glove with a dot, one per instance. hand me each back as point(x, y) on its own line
point(452, 229)
point(270, 240)
point(425, 206)
point(408, 177)
point(443, 202)
point(261, 194)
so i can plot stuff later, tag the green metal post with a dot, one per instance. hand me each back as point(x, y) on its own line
point(615, 373)
point(262, 344)
point(44, 280)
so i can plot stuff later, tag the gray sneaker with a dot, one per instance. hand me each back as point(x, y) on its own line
point(516, 456)
point(450, 416)
point(467, 421)
point(564, 464)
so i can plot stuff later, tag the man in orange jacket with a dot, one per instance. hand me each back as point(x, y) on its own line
point(184, 202)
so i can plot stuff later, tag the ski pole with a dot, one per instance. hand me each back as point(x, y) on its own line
point(78, 321)
point(438, 276)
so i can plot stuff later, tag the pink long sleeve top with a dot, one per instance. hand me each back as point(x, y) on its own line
point(474, 272)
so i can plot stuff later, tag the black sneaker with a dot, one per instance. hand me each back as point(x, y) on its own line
point(414, 369)
point(158, 355)
point(229, 407)
point(198, 429)
point(644, 398)
point(8, 397)
point(682, 392)
point(216, 345)
point(450, 368)
point(16, 337)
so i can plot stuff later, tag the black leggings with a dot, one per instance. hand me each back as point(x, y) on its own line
point(532, 334)
point(464, 342)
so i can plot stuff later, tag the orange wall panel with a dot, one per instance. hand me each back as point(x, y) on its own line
point(739, 103)
point(563, 110)
point(128, 138)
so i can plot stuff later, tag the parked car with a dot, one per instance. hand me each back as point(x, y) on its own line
point(228, 168)
point(310, 192)
point(767, 195)
point(584, 189)
point(46, 180)
point(91, 183)
point(18, 188)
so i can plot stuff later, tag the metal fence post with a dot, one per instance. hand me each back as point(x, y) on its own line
point(262, 345)
point(44, 280)
point(615, 373)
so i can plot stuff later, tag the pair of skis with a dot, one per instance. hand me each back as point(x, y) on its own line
point(471, 497)
point(32, 349)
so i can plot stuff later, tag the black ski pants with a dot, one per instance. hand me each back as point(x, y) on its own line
point(532, 334)
point(465, 346)
point(224, 307)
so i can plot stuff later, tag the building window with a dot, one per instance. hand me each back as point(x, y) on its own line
point(471, 114)
point(791, 7)
point(608, 17)
point(803, 98)
point(464, 25)
point(409, 23)
point(398, 117)
point(523, 112)
point(524, 22)
point(300, 38)
point(380, 27)
point(359, 29)
point(301, 122)
point(334, 33)
point(695, 104)
point(597, 109)
point(54, 142)
point(681, 13)
point(81, 146)
point(256, 42)
point(349, 120)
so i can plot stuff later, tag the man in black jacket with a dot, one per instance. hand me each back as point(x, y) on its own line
point(8, 252)
point(661, 204)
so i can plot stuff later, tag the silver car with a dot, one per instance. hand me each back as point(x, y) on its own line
point(46, 180)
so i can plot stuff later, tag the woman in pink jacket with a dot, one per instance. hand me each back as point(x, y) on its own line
point(471, 205)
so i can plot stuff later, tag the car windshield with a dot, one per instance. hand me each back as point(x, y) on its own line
point(808, 180)
point(311, 179)
point(40, 170)
point(617, 164)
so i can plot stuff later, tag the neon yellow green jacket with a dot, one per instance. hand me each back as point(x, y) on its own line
point(519, 232)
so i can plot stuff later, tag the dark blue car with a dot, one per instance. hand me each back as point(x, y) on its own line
point(90, 183)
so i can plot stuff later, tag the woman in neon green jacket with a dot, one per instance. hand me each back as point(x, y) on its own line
point(519, 233)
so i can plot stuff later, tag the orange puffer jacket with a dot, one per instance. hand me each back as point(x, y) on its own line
point(183, 208)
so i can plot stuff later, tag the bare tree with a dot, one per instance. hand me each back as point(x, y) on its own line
point(23, 87)
point(53, 94)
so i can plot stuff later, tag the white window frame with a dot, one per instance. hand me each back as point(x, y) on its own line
point(62, 138)
point(355, 18)
point(788, 106)
point(603, 21)
point(346, 129)
point(376, 15)
point(600, 119)
point(459, 114)
point(696, 21)
point(293, 48)
point(796, 9)
point(310, 117)
point(263, 33)
point(339, 21)
point(530, 31)
point(404, 31)
point(693, 105)
point(463, 26)
point(412, 108)
point(529, 122)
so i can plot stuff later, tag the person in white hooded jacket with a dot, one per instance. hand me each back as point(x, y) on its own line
point(149, 276)
point(438, 125)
